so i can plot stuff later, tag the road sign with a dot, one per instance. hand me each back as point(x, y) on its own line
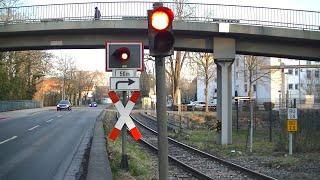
point(292, 125)
point(127, 55)
point(124, 116)
point(124, 83)
point(125, 72)
point(292, 113)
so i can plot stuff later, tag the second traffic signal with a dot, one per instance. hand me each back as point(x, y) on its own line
point(160, 34)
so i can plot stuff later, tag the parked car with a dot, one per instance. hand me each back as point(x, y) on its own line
point(196, 105)
point(200, 106)
point(93, 104)
point(64, 104)
point(213, 105)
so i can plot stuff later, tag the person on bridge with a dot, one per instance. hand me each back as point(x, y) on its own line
point(97, 14)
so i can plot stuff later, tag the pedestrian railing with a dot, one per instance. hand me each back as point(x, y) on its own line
point(189, 12)
point(18, 104)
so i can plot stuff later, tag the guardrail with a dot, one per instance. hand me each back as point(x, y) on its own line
point(190, 12)
point(17, 105)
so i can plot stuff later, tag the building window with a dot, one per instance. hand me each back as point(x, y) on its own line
point(290, 86)
point(296, 86)
point(308, 74)
point(296, 72)
point(254, 88)
point(290, 71)
point(316, 73)
point(237, 74)
point(237, 62)
point(245, 88)
point(308, 62)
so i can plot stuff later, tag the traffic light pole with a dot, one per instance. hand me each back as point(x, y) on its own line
point(161, 118)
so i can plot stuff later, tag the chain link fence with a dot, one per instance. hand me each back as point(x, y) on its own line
point(18, 104)
point(270, 117)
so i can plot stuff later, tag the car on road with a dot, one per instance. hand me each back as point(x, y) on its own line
point(93, 104)
point(64, 105)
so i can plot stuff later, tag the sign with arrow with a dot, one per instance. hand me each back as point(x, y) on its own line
point(124, 83)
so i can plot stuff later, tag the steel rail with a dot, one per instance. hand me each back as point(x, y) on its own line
point(233, 166)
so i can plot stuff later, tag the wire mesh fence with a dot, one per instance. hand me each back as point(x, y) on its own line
point(269, 124)
point(194, 12)
point(17, 105)
point(271, 117)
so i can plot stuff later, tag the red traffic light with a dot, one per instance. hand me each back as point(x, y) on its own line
point(123, 54)
point(161, 18)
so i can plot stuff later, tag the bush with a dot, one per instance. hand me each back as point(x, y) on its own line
point(267, 105)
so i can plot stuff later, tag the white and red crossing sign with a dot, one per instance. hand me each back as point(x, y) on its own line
point(124, 115)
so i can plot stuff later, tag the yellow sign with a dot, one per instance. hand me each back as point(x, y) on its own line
point(292, 125)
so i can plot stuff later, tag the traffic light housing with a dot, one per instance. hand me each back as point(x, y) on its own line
point(124, 55)
point(160, 34)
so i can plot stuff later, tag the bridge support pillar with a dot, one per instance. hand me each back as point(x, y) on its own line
point(224, 54)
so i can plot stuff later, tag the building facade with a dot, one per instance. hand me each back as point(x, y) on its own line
point(300, 83)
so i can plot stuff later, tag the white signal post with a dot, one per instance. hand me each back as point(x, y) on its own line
point(292, 125)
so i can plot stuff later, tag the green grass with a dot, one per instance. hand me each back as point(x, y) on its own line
point(140, 165)
point(206, 140)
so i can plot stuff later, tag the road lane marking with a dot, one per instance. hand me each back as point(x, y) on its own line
point(12, 138)
point(49, 120)
point(59, 116)
point(33, 128)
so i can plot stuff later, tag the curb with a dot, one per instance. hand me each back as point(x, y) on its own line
point(99, 167)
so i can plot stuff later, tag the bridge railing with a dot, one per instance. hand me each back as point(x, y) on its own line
point(193, 12)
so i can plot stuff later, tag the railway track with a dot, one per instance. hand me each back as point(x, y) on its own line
point(200, 164)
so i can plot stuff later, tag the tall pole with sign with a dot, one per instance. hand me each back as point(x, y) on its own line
point(161, 42)
point(124, 59)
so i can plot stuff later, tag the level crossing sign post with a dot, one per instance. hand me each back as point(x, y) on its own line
point(292, 125)
point(124, 59)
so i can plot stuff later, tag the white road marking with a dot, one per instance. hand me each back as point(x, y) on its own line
point(49, 120)
point(59, 116)
point(33, 128)
point(13, 137)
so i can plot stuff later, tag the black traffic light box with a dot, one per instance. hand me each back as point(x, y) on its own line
point(161, 38)
point(127, 55)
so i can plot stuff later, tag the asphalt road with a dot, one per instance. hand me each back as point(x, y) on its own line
point(39, 145)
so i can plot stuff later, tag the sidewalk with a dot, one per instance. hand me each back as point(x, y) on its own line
point(99, 167)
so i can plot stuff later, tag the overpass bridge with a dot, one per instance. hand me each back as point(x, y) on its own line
point(224, 30)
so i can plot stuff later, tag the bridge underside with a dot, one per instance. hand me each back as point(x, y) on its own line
point(263, 41)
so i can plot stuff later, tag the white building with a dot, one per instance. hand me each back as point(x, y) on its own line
point(267, 85)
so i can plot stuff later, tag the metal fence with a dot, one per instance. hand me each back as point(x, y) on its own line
point(194, 12)
point(19, 104)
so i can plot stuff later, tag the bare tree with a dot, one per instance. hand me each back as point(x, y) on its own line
point(254, 71)
point(176, 63)
point(206, 69)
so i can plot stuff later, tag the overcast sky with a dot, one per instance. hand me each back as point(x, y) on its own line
point(95, 59)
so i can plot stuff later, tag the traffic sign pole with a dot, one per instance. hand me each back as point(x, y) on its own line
point(292, 125)
point(124, 157)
